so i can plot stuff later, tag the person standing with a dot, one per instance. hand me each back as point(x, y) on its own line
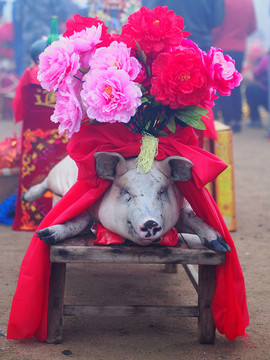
point(200, 17)
point(31, 21)
point(257, 91)
point(239, 22)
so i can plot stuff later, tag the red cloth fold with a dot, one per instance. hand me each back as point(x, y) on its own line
point(28, 315)
point(107, 237)
point(28, 77)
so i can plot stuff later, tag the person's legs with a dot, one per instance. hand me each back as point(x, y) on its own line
point(256, 97)
point(224, 104)
point(231, 106)
point(236, 97)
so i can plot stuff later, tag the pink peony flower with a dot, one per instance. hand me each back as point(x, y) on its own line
point(80, 23)
point(85, 43)
point(224, 77)
point(58, 63)
point(116, 55)
point(110, 96)
point(68, 110)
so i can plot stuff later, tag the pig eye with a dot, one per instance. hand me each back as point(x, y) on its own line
point(126, 195)
point(162, 191)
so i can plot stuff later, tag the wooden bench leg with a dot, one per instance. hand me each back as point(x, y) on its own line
point(207, 285)
point(56, 303)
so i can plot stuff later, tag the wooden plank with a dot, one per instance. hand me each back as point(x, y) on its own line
point(193, 275)
point(207, 285)
point(56, 302)
point(131, 310)
point(134, 255)
point(80, 249)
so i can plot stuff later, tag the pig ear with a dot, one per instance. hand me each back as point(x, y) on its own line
point(178, 167)
point(108, 163)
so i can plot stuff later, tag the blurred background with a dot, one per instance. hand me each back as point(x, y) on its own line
point(28, 26)
point(23, 22)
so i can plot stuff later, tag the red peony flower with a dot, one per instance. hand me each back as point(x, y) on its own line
point(180, 79)
point(155, 30)
point(80, 23)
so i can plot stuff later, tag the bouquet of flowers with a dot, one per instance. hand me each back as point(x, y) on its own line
point(149, 77)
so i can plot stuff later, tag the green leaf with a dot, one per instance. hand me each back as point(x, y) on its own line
point(159, 133)
point(143, 58)
point(142, 55)
point(191, 115)
point(144, 100)
point(171, 124)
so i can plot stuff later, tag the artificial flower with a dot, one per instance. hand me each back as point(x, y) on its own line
point(150, 76)
point(68, 111)
point(221, 70)
point(179, 79)
point(110, 96)
point(154, 30)
point(80, 23)
point(85, 43)
point(58, 63)
point(116, 55)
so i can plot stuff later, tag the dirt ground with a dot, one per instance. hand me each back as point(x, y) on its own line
point(128, 338)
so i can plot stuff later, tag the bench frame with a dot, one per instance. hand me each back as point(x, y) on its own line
point(188, 252)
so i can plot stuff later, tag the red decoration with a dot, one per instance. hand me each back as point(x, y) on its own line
point(30, 304)
point(107, 237)
point(41, 147)
point(179, 78)
point(155, 30)
point(80, 23)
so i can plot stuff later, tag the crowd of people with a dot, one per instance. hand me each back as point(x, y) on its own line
point(226, 24)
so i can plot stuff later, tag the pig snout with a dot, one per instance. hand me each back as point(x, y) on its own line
point(150, 229)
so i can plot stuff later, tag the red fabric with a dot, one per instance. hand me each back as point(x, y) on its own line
point(42, 148)
point(107, 237)
point(28, 77)
point(6, 33)
point(210, 131)
point(28, 315)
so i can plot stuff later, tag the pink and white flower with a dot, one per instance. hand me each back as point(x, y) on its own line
point(221, 69)
point(85, 43)
point(58, 63)
point(103, 76)
point(68, 111)
point(117, 55)
point(110, 96)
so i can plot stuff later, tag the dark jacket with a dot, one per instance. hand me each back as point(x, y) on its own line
point(200, 17)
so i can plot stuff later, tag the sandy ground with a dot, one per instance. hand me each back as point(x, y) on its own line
point(129, 338)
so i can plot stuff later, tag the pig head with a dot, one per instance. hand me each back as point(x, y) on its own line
point(140, 206)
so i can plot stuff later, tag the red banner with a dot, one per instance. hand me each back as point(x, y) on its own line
point(42, 148)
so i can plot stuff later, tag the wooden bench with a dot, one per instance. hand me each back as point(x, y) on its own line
point(188, 252)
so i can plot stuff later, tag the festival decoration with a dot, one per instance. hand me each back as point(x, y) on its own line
point(150, 77)
point(148, 85)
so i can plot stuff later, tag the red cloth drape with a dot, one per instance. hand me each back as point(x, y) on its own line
point(28, 315)
point(41, 147)
point(28, 77)
point(107, 237)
